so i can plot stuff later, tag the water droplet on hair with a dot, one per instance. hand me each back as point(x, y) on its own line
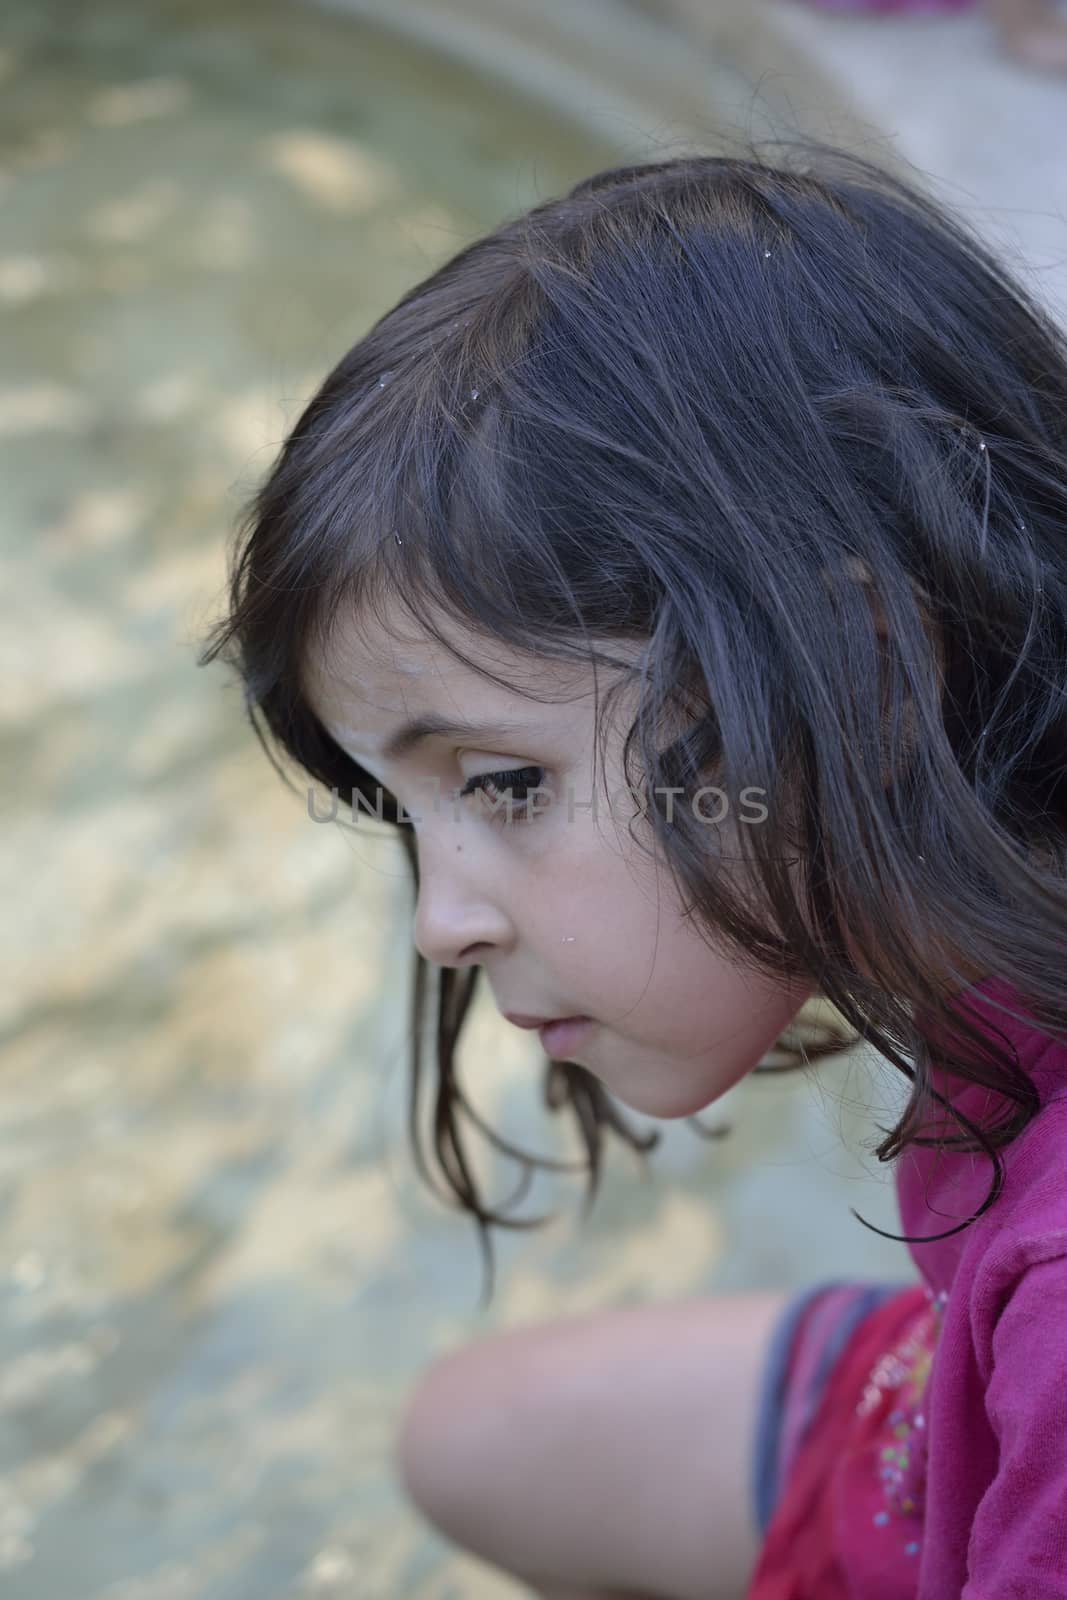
point(384, 379)
point(981, 444)
point(766, 255)
point(398, 539)
point(474, 394)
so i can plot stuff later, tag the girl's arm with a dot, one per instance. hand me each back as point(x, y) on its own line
point(1018, 1541)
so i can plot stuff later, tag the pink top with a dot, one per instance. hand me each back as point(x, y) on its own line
point(936, 1467)
point(994, 1409)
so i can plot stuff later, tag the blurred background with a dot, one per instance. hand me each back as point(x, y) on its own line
point(219, 1272)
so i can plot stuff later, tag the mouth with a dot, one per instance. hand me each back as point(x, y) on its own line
point(558, 1035)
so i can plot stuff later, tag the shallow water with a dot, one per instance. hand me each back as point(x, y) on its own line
point(219, 1273)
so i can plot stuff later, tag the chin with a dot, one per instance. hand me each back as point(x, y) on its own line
point(667, 1104)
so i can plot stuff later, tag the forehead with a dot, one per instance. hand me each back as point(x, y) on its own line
point(376, 670)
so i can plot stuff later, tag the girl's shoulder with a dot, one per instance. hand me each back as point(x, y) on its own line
point(939, 1188)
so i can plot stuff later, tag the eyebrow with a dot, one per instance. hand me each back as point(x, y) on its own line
point(409, 734)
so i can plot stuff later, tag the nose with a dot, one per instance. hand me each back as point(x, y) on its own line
point(457, 921)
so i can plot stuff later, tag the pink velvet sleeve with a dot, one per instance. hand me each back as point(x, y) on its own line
point(1018, 1547)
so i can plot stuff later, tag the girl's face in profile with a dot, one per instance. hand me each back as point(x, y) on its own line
point(568, 916)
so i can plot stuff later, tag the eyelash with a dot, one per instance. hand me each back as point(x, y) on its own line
point(515, 777)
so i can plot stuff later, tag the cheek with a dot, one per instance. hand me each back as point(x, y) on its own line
point(637, 963)
point(578, 903)
point(680, 996)
point(616, 934)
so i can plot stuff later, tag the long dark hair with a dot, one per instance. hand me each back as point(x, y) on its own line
point(791, 427)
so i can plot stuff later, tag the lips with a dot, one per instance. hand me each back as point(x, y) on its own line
point(561, 1038)
point(559, 1035)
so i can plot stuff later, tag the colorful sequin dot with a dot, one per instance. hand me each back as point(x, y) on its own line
point(898, 1381)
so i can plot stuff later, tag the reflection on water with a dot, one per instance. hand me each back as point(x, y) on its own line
point(218, 1273)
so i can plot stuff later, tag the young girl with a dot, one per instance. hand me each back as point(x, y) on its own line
point(682, 569)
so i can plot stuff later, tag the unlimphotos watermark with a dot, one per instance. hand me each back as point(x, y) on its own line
point(709, 804)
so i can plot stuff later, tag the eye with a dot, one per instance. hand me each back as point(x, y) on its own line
point(500, 788)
